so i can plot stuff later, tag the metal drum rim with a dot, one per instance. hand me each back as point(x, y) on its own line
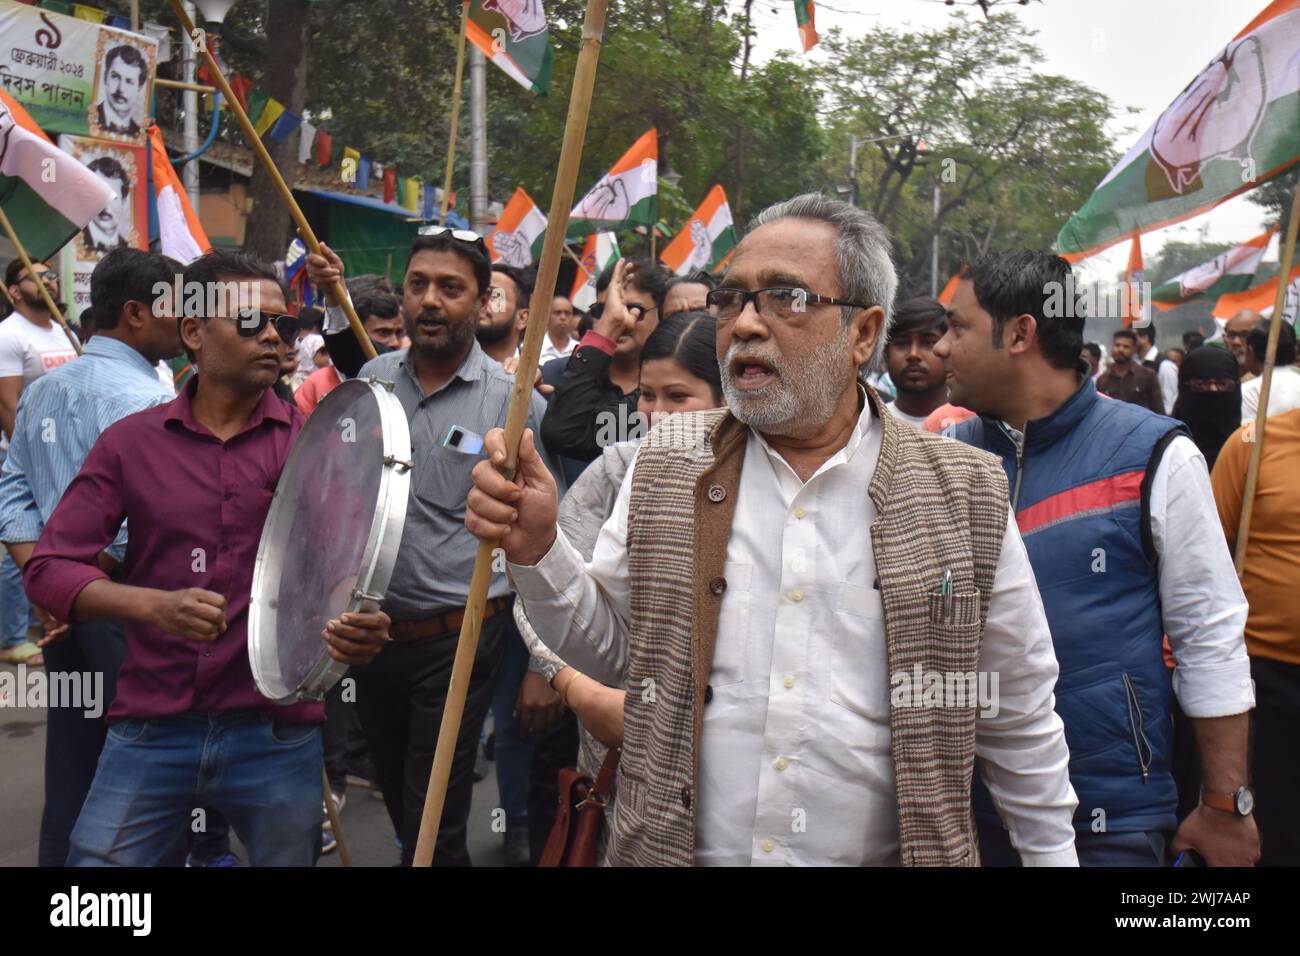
point(394, 485)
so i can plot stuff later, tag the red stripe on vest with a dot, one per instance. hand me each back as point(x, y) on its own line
point(1104, 493)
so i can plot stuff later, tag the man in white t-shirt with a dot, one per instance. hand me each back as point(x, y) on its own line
point(1166, 371)
point(1284, 390)
point(559, 330)
point(31, 343)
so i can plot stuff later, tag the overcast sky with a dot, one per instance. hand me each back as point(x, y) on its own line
point(1140, 53)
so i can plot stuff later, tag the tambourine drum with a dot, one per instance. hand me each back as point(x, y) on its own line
point(331, 536)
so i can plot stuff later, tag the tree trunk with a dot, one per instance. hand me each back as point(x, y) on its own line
point(288, 36)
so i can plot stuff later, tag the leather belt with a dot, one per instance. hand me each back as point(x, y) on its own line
point(442, 622)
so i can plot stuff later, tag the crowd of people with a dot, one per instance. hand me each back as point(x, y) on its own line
point(814, 575)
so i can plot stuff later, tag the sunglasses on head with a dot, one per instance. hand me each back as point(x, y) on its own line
point(460, 235)
point(249, 323)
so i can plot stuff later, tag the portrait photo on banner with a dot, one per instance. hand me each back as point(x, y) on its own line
point(123, 222)
point(124, 67)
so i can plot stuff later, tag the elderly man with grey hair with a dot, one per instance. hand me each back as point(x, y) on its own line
point(823, 617)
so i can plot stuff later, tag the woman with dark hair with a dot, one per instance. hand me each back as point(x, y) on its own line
point(679, 373)
point(679, 367)
point(1209, 399)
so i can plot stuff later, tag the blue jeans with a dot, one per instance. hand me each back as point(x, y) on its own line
point(15, 610)
point(262, 775)
point(514, 753)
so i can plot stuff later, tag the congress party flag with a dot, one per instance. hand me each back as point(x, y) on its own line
point(625, 196)
point(706, 238)
point(517, 239)
point(179, 232)
point(1230, 271)
point(599, 254)
point(46, 193)
point(1235, 125)
point(513, 35)
point(805, 16)
point(1137, 310)
point(1261, 299)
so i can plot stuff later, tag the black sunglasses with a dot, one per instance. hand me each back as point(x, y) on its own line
point(249, 323)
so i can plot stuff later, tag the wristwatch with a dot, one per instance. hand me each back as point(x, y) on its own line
point(1240, 803)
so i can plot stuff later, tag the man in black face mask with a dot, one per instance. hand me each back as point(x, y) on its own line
point(1209, 399)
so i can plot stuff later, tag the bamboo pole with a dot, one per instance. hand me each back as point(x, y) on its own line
point(455, 112)
point(574, 256)
point(332, 812)
point(182, 85)
point(539, 314)
point(337, 289)
point(40, 284)
point(1270, 356)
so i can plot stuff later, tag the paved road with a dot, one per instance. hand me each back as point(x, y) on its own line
point(365, 821)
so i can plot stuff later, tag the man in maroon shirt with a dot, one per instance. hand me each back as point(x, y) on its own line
point(194, 479)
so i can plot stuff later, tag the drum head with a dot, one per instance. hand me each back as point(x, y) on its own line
point(330, 538)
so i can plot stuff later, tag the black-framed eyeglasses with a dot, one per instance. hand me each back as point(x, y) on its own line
point(639, 312)
point(249, 323)
point(460, 235)
point(775, 303)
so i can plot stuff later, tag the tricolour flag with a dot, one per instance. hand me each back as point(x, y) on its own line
point(805, 16)
point(47, 195)
point(1236, 125)
point(624, 196)
point(1230, 271)
point(946, 294)
point(513, 35)
point(517, 239)
point(706, 239)
point(1261, 299)
point(1137, 309)
point(600, 252)
point(180, 234)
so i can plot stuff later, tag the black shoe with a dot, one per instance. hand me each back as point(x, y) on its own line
point(517, 848)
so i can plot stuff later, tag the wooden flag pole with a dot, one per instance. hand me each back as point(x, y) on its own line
point(1270, 356)
point(332, 812)
point(45, 293)
point(539, 314)
point(337, 289)
point(455, 111)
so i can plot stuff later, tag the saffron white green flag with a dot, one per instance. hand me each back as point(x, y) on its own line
point(599, 254)
point(46, 193)
point(517, 239)
point(625, 196)
point(1230, 271)
point(706, 239)
point(513, 35)
point(1235, 125)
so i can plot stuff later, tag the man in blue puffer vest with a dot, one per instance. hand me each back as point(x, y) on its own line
point(1115, 508)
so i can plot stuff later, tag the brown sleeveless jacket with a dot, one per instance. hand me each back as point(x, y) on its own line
point(940, 505)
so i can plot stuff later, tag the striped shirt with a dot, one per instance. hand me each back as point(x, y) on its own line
point(60, 417)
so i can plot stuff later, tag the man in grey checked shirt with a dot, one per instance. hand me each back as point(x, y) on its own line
point(60, 416)
point(443, 380)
